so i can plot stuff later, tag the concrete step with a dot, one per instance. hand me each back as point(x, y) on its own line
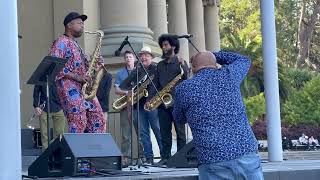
point(295, 155)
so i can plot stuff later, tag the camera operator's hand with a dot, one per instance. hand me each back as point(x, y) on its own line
point(218, 66)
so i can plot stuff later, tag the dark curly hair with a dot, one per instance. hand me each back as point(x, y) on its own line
point(172, 39)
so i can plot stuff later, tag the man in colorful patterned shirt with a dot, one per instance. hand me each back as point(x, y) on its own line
point(212, 105)
point(81, 114)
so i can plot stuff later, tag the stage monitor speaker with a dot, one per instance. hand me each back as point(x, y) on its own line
point(186, 157)
point(77, 154)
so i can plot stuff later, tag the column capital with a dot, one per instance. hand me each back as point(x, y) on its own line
point(211, 3)
point(118, 21)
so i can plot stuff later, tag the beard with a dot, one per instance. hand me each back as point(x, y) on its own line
point(77, 34)
point(167, 53)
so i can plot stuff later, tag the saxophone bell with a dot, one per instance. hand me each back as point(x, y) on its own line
point(145, 93)
point(120, 103)
point(164, 95)
point(167, 100)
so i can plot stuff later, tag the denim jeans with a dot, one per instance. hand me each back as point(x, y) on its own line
point(147, 120)
point(247, 167)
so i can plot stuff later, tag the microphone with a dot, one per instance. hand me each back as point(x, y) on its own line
point(125, 42)
point(185, 36)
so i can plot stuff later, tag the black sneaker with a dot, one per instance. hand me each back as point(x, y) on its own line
point(149, 161)
point(162, 163)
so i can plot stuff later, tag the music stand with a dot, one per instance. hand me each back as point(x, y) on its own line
point(45, 74)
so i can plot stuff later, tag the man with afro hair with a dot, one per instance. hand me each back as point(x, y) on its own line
point(168, 69)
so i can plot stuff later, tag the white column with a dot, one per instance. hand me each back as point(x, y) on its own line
point(177, 18)
point(211, 25)
point(196, 25)
point(10, 151)
point(123, 18)
point(271, 80)
point(157, 17)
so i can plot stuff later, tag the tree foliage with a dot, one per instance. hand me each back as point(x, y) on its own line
point(241, 32)
point(309, 16)
point(255, 107)
point(303, 106)
point(287, 23)
point(298, 77)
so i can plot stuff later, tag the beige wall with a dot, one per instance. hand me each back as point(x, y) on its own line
point(40, 22)
point(60, 9)
point(35, 19)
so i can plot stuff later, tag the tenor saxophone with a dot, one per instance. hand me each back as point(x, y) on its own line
point(164, 95)
point(89, 89)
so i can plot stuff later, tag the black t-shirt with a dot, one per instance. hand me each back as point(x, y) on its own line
point(40, 97)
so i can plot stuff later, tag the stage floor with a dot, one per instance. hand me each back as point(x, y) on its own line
point(286, 170)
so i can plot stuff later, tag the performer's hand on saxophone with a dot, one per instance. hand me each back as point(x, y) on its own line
point(79, 79)
point(87, 78)
point(146, 106)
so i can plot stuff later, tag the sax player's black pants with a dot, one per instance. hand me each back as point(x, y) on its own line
point(165, 121)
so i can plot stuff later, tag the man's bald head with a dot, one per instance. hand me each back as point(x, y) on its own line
point(203, 60)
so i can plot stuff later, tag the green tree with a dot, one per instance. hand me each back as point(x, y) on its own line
point(255, 107)
point(253, 83)
point(303, 106)
point(309, 16)
point(241, 18)
point(287, 23)
point(298, 77)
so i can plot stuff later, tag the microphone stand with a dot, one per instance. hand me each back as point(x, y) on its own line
point(190, 42)
point(193, 45)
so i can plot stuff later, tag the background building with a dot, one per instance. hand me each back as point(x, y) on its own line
point(41, 21)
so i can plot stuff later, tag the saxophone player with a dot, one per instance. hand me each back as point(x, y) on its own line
point(167, 70)
point(147, 119)
point(81, 113)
